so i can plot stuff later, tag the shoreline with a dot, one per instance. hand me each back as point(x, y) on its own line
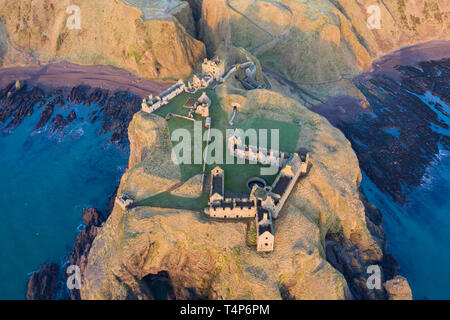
point(407, 56)
point(48, 78)
point(59, 81)
point(68, 75)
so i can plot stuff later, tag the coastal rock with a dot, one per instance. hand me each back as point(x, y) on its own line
point(114, 109)
point(339, 29)
point(72, 116)
point(18, 103)
point(93, 221)
point(150, 168)
point(42, 284)
point(59, 123)
point(210, 259)
point(398, 289)
point(45, 116)
point(319, 45)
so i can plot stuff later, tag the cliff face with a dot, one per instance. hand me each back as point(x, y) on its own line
point(211, 259)
point(320, 43)
point(36, 32)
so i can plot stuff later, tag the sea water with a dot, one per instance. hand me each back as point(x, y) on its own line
point(418, 233)
point(46, 181)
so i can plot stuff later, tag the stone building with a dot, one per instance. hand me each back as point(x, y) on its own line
point(200, 106)
point(283, 184)
point(217, 191)
point(263, 204)
point(265, 236)
point(203, 104)
point(215, 67)
point(256, 154)
point(154, 103)
point(197, 84)
point(124, 201)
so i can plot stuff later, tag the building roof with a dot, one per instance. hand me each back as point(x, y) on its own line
point(216, 185)
point(190, 102)
point(282, 185)
point(204, 99)
point(245, 203)
point(264, 228)
point(222, 204)
point(170, 90)
point(261, 211)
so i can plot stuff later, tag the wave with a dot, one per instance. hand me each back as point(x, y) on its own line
point(432, 172)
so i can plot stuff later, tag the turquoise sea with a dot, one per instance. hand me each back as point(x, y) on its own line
point(418, 233)
point(48, 178)
point(46, 181)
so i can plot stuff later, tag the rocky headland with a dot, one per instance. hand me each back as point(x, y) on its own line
point(328, 233)
point(310, 52)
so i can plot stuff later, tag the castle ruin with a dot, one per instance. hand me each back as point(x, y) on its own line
point(263, 204)
point(214, 67)
point(154, 103)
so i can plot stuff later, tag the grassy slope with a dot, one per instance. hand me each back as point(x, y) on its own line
point(236, 175)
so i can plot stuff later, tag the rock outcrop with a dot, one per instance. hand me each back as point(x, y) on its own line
point(42, 284)
point(338, 28)
point(113, 109)
point(111, 32)
point(92, 220)
point(400, 134)
point(398, 289)
point(209, 259)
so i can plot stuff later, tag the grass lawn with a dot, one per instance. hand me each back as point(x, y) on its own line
point(236, 175)
point(176, 106)
point(167, 200)
point(288, 132)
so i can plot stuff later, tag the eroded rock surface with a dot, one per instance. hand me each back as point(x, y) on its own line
point(398, 289)
point(211, 259)
point(42, 284)
point(111, 33)
point(93, 220)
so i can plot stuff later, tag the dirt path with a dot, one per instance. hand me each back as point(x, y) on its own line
point(261, 47)
point(274, 39)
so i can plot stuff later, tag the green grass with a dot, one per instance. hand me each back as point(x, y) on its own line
point(236, 175)
point(167, 200)
point(288, 132)
point(177, 106)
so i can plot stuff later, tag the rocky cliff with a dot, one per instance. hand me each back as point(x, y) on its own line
point(211, 259)
point(111, 32)
point(327, 235)
point(319, 45)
